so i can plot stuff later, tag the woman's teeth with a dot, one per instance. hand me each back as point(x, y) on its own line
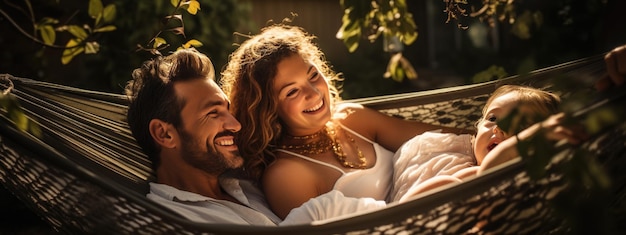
point(317, 107)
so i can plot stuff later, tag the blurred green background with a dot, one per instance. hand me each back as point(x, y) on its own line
point(545, 33)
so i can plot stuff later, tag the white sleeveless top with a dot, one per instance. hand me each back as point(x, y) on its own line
point(374, 182)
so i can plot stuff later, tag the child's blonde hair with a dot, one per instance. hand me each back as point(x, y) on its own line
point(534, 105)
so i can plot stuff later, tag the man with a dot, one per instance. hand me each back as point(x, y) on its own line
point(180, 118)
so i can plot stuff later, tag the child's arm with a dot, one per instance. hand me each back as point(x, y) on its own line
point(507, 150)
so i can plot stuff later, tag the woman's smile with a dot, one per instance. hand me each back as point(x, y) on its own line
point(316, 107)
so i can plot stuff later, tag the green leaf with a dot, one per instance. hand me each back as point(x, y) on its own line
point(34, 129)
point(192, 43)
point(601, 118)
point(399, 74)
point(408, 30)
point(109, 13)
point(17, 116)
point(193, 7)
point(409, 71)
point(158, 42)
point(47, 34)
point(98, 19)
point(72, 50)
point(95, 8)
point(77, 31)
point(92, 47)
point(352, 43)
point(48, 20)
point(174, 2)
point(392, 67)
point(105, 29)
point(522, 26)
point(491, 73)
point(20, 119)
point(350, 33)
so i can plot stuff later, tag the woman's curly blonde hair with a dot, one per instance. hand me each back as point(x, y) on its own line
point(248, 81)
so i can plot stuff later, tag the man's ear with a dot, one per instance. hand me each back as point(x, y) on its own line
point(163, 133)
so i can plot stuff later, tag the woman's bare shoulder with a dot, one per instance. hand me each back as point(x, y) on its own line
point(285, 165)
point(348, 105)
point(353, 110)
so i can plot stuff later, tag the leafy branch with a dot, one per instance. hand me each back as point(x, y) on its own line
point(45, 30)
point(489, 11)
point(158, 43)
point(374, 18)
point(392, 20)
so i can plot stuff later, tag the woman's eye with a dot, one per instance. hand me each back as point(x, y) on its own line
point(291, 92)
point(314, 77)
point(491, 118)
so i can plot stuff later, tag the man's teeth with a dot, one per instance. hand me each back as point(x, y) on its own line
point(317, 107)
point(226, 142)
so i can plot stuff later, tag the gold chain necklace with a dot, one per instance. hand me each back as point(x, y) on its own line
point(327, 141)
point(341, 155)
point(307, 137)
point(323, 145)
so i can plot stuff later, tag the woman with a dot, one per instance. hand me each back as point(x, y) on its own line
point(297, 139)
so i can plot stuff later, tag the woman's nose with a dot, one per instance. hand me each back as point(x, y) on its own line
point(312, 91)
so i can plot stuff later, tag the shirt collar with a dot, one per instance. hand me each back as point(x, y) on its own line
point(229, 185)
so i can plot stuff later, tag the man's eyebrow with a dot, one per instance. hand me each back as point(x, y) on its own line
point(212, 103)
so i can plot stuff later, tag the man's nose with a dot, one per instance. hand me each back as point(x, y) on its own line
point(231, 123)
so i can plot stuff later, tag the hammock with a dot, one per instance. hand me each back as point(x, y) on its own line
point(86, 174)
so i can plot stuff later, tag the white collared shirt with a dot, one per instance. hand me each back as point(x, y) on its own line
point(253, 209)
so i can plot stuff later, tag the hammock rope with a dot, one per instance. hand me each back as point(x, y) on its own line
point(86, 174)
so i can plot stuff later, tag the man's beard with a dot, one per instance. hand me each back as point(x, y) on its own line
point(209, 160)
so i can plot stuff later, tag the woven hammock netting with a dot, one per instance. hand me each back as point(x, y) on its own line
point(84, 173)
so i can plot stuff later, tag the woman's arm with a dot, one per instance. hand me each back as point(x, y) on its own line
point(390, 132)
point(287, 185)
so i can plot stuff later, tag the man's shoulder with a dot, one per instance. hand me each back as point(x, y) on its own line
point(169, 192)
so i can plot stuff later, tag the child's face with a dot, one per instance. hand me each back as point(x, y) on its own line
point(488, 135)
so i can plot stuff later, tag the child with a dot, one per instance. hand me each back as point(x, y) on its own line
point(434, 159)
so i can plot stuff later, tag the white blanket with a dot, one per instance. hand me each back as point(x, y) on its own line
point(428, 155)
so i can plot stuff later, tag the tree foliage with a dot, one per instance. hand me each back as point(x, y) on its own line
point(48, 39)
point(371, 19)
point(169, 24)
point(391, 19)
point(82, 33)
point(157, 43)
